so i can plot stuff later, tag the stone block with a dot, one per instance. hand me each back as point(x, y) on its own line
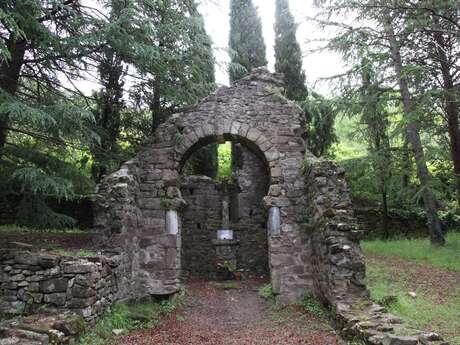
point(47, 261)
point(391, 339)
point(82, 291)
point(57, 299)
point(79, 267)
point(54, 285)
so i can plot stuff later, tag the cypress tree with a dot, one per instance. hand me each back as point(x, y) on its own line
point(246, 40)
point(287, 52)
point(204, 160)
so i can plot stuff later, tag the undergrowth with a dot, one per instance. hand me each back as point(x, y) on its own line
point(419, 250)
point(14, 228)
point(127, 318)
point(311, 305)
point(266, 292)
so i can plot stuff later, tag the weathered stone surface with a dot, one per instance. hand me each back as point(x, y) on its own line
point(57, 299)
point(66, 283)
point(54, 285)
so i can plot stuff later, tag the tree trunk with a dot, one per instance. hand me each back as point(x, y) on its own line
point(406, 162)
point(413, 137)
point(9, 80)
point(451, 108)
point(155, 106)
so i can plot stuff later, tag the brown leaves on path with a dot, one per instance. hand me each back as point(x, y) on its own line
point(212, 315)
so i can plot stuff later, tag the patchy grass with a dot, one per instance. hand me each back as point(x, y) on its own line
point(436, 305)
point(419, 250)
point(231, 285)
point(128, 318)
point(13, 228)
point(81, 252)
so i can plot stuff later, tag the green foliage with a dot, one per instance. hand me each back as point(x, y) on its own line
point(55, 142)
point(288, 54)
point(320, 117)
point(419, 250)
point(266, 291)
point(246, 43)
point(128, 318)
point(204, 161)
point(224, 155)
point(311, 305)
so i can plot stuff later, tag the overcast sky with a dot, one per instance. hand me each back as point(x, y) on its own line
point(316, 66)
point(216, 16)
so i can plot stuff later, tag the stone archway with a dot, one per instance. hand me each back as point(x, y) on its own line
point(242, 194)
point(133, 201)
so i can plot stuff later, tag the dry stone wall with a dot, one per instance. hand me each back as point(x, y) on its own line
point(35, 281)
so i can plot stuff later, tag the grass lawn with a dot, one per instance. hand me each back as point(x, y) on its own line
point(397, 268)
point(419, 250)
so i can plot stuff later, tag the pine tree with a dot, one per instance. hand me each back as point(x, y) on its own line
point(182, 71)
point(247, 47)
point(287, 52)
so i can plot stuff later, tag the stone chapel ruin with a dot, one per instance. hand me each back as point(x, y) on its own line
point(294, 213)
point(290, 213)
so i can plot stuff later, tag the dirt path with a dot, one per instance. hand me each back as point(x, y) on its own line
point(213, 315)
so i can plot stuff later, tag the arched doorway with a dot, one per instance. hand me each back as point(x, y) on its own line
point(240, 187)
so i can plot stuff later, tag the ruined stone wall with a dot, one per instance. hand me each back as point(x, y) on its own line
point(200, 220)
point(338, 263)
point(32, 281)
point(251, 225)
point(252, 112)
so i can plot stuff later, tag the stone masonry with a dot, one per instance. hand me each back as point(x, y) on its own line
point(30, 282)
point(132, 203)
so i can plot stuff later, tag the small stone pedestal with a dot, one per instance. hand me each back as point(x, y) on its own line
point(225, 257)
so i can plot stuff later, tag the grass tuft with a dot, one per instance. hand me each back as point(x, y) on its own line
point(13, 228)
point(311, 305)
point(266, 291)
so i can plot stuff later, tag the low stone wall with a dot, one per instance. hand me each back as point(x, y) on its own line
point(370, 220)
point(38, 281)
point(338, 263)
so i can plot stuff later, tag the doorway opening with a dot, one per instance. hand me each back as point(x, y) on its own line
point(224, 185)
